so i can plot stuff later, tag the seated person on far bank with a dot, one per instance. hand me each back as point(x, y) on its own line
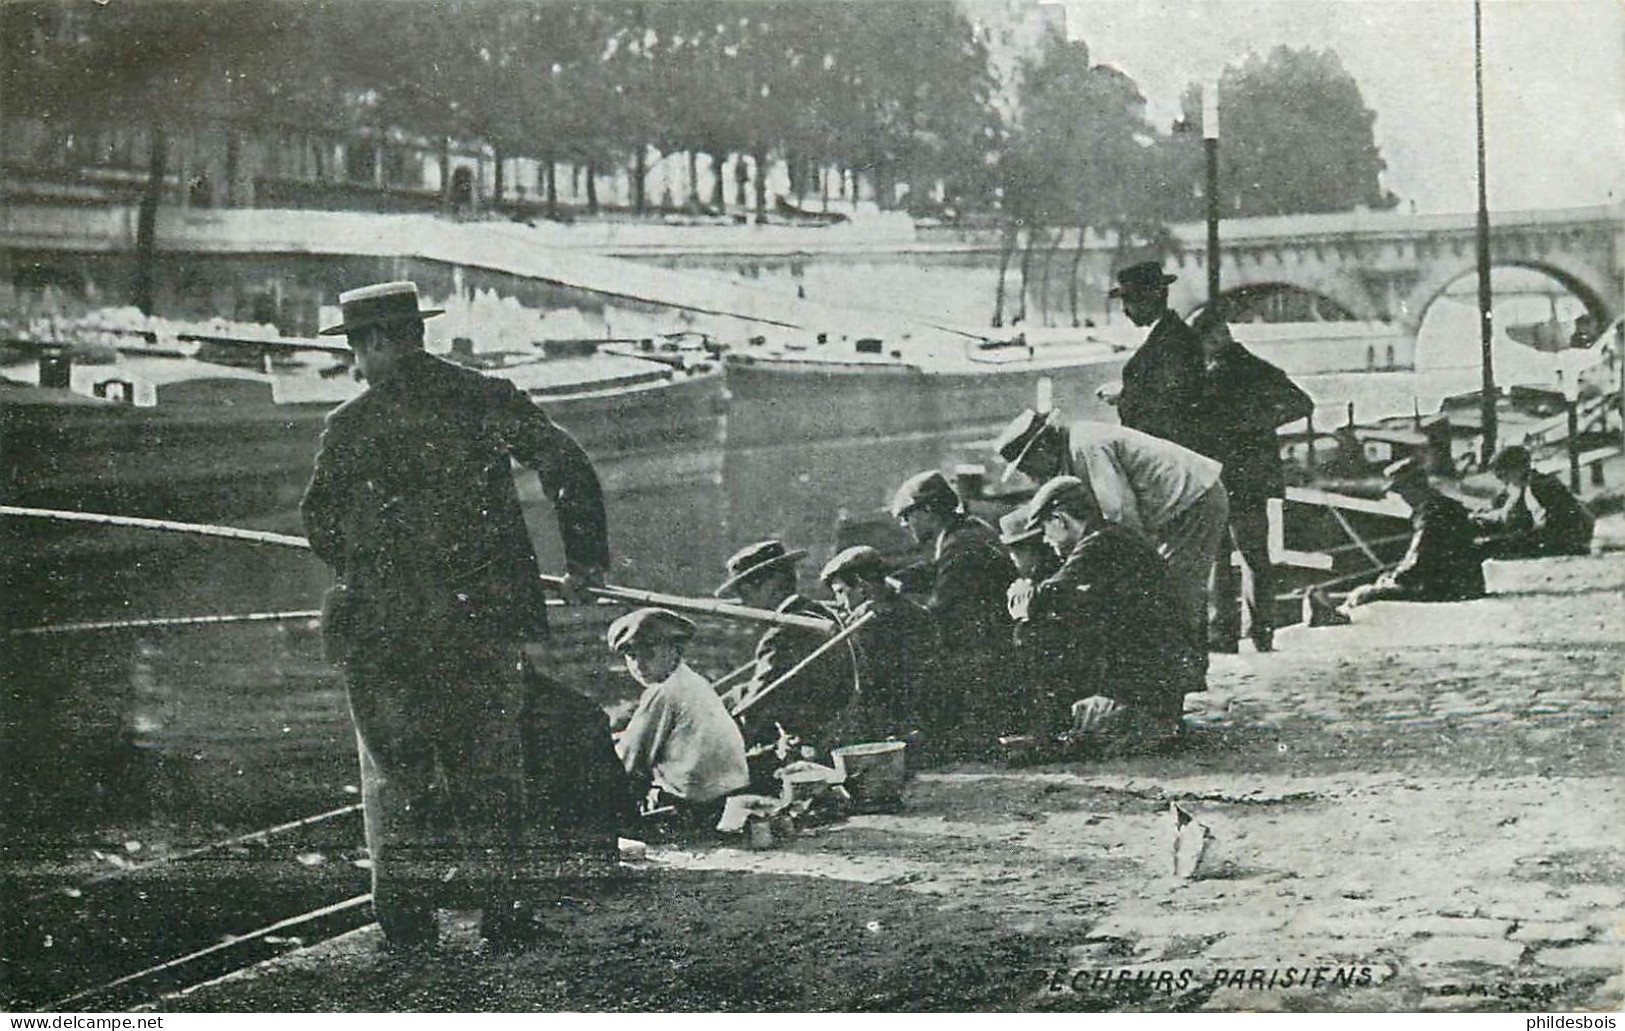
point(1113, 620)
point(1443, 561)
point(681, 739)
point(1534, 514)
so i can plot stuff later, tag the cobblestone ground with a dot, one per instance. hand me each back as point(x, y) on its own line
point(1417, 812)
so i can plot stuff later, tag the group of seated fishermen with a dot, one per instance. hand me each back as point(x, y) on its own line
point(1068, 625)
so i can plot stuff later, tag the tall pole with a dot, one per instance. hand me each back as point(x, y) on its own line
point(1485, 317)
point(1210, 143)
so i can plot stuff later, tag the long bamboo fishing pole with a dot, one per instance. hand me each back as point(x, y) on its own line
point(847, 631)
point(621, 595)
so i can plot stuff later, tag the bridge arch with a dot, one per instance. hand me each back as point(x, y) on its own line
point(1573, 274)
point(1338, 290)
point(1279, 302)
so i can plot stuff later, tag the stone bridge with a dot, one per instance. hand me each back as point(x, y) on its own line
point(1392, 266)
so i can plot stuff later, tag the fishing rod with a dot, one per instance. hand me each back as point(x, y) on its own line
point(619, 595)
point(861, 620)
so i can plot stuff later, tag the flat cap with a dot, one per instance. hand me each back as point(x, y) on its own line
point(1060, 491)
point(927, 488)
point(1406, 470)
point(1013, 528)
point(653, 624)
point(859, 562)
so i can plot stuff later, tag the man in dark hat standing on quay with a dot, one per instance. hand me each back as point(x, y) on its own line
point(970, 576)
point(1442, 563)
point(1244, 400)
point(1162, 381)
point(1111, 616)
point(413, 505)
point(811, 707)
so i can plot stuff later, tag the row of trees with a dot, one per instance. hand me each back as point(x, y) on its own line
point(895, 91)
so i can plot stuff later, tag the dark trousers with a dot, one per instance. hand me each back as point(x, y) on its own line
point(1249, 535)
point(442, 788)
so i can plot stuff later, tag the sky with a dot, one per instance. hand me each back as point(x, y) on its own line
point(1554, 75)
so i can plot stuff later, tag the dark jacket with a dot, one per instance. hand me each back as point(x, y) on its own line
point(897, 653)
point(1443, 562)
point(1244, 399)
point(413, 505)
point(1562, 527)
point(814, 704)
point(1162, 383)
point(1111, 623)
point(972, 574)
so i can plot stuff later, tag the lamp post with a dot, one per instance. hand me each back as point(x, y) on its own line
point(1210, 143)
point(1487, 415)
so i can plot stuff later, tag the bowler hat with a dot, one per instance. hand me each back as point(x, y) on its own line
point(859, 562)
point(1019, 437)
point(929, 488)
point(758, 558)
point(1057, 492)
point(1013, 528)
point(1147, 275)
point(1406, 470)
point(379, 304)
point(653, 624)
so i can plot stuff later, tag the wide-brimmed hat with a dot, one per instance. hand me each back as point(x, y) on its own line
point(1051, 496)
point(648, 624)
point(1140, 278)
point(1018, 438)
point(859, 562)
point(379, 304)
point(1406, 470)
point(1013, 528)
point(750, 562)
point(927, 488)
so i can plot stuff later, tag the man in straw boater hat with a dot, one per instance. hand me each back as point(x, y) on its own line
point(969, 576)
point(1111, 617)
point(1162, 380)
point(413, 505)
point(681, 740)
point(1443, 563)
point(1170, 494)
point(808, 712)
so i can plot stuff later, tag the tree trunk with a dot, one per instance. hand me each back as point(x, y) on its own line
point(551, 169)
point(761, 186)
point(1033, 233)
point(719, 195)
point(640, 168)
point(496, 180)
point(1043, 276)
point(1007, 245)
point(592, 188)
point(445, 175)
point(693, 181)
point(146, 226)
point(1072, 279)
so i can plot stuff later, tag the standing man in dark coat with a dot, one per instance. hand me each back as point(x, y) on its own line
point(970, 578)
point(1162, 381)
point(1244, 399)
point(1443, 563)
point(413, 505)
point(813, 707)
point(1112, 615)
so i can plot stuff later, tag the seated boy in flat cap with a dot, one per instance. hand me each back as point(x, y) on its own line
point(681, 739)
